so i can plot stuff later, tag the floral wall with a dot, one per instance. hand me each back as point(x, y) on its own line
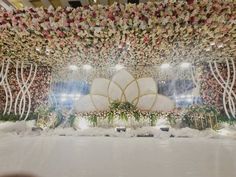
point(38, 90)
point(135, 35)
point(211, 91)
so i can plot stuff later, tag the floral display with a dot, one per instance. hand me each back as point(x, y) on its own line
point(143, 34)
point(128, 113)
point(201, 117)
point(211, 92)
point(38, 90)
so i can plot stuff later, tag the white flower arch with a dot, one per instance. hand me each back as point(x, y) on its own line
point(123, 87)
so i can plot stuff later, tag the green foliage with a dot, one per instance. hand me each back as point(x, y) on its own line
point(44, 110)
point(110, 116)
point(123, 116)
point(50, 117)
point(115, 105)
point(224, 119)
point(201, 117)
point(153, 119)
point(137, 116)
point(12, 117)
point(172, 118)
point(123, 110)
point(122, 106)
point(59, 119)
point(93, 119)
point(71, 119)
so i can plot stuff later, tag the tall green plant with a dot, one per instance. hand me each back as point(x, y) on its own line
point(12, 117)
point(201, 117)
point(93, 119)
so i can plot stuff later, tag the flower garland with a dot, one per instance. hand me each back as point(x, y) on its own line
point(143, 34)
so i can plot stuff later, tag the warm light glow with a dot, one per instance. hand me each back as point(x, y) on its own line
point(182, 96)
point(208, 49)
point(212, 43)
point(73, 67)
point(119, 67)
point(77, 96)
point(189, 96)
point(189, 100)
point(185, 65)
point(220, 45)
point(165, 66)
point(83, 124)
point(37, 49)
point(63, 97)
point(71, 96)
point(87, 67)
point(224, 132)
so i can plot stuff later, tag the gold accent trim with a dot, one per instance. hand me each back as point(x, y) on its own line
point(135, 100)
point(91, 97)
point(155, 97)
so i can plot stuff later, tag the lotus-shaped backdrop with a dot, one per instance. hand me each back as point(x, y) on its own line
point(123, 87)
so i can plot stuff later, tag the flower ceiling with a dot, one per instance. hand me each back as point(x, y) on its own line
point(143, 34)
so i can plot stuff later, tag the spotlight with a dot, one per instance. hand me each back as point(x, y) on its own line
point(83, 124)
point(189, 96)
point(119, 67)
point(208, 49)
point(77, 96)
point(87, 67)
point(63, 97)
point(220, 45)
point(182, 96)
point(38, 49)
point(189, 100)
point(212, 43)
point(73, 67)
point(185, 65)
point(165, 66)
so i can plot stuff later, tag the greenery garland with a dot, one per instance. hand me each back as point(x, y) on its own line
point(198, 117)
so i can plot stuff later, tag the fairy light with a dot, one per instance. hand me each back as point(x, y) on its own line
point(73, 67)
point(185, 65)
point(165, 66)
point(87, 67)
point(119, 67)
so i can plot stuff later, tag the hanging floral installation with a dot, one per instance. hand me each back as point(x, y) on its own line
point(144, 34)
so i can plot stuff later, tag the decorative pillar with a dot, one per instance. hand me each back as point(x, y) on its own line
point(229, 96)
point(4, 83)
point(22, 106)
